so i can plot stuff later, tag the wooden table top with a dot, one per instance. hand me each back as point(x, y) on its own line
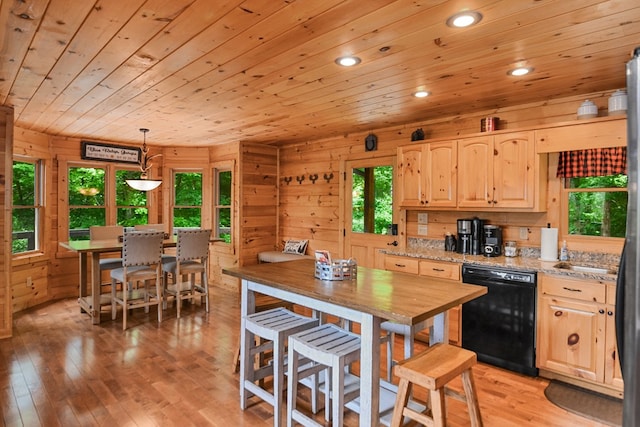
point(111, 245)
point(402, 297)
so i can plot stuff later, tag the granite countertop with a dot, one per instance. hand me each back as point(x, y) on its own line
point(526, 260)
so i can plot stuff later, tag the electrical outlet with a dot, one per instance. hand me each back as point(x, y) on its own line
point(29, 282)
point(524, 233)
point(422, 230)
point(423, 218)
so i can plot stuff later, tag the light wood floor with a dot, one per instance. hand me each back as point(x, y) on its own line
point(59, 370)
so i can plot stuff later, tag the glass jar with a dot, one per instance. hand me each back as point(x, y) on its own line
point(510, 249)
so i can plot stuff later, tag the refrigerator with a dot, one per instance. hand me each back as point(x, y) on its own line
point(628, 289)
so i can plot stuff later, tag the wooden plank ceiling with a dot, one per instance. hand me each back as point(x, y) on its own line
point(203, 72)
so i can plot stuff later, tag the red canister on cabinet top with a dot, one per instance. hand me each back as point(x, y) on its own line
point(488, 124)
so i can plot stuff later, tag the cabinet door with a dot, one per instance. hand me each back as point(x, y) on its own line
point(612, 370)
point(514, 170)
point(410, 179)
point(440, 174)
point(571, 338)
point(475, 172)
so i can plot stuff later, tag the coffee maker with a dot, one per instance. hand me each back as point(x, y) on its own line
point(477, 236)
point(492, 240)
point(463, 245)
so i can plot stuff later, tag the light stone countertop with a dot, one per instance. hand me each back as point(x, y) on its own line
point(529, 262)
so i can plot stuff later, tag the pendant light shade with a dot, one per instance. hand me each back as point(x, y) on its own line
point(144, 183)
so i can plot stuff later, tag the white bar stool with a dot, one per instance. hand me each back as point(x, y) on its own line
point(275, 326)
point(332, 349)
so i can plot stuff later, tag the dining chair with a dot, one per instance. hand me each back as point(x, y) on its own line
point(107, 232)
point(154, 227)
point(192, 254)
point(141, 251)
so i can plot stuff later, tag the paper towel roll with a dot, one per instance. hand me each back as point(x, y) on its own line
point(549, 244)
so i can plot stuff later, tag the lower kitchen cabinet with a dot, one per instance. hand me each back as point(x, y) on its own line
point(430, 268)
point(576, 331)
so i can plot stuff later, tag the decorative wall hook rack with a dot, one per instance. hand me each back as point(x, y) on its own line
point(299, 179)
point(313, 178)
point(288, 179)
point(328, 177)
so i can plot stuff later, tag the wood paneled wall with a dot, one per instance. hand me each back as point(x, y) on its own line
point(6, 168)
point(312, 211)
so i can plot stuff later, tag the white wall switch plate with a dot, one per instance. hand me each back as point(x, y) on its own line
point(524, 233)
point(423, 218)
point(422, 230)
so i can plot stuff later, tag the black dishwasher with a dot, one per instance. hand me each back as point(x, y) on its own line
point(501, 325)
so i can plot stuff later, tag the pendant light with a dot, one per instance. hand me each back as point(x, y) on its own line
point(144, 183)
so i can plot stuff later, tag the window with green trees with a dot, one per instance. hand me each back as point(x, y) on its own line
point(597, 206)
point(86, 196)
point(27, 211)
point(92, 191)
point(372, 199)
point(187, 199)
point(222, 205)
point(131, 204)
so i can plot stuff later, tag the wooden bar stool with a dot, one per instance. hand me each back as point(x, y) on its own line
point(433, 369)
point(274, 328)
point(330, 349)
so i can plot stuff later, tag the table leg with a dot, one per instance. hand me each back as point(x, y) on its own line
point(370, 370)
point(439, 331)
point(82, 284)
point(247, 306)
point(95, 288)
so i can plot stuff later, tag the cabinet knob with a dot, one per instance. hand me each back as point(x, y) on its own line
point(601, 311)
point(573, 339)
point(610, 313)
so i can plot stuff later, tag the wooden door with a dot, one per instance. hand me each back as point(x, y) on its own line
point(365, 246)
point(441, 173)
point(475, 172)
point(410, 175)
point(514, 170)
point(571, 338)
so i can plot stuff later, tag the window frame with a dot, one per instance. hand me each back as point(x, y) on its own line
point(215, 206)
point(577, 241)
point(39, 205)
point(110, 185)
point(173, 206)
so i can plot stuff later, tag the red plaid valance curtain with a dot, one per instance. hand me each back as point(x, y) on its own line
point(592, 162)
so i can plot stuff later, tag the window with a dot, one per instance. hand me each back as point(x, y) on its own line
point(597, 206)
point(595, 190)
point(372, 199)
point(187, 197)
point(27, 206)
point(86, 195)
point(99, 195)
point(131, 205)
point(222, 204)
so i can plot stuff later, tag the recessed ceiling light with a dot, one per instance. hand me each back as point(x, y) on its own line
point(464, 19)
point(421, 94)
point(520, 71)
point(348, 61)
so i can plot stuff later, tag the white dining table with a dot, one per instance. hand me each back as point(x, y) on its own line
point(374, 296)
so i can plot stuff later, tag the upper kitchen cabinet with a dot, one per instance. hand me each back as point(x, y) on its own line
point(426, 175)
point(501, 172)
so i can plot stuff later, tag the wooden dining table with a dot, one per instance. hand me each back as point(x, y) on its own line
point(90, 252)
point(374, 296)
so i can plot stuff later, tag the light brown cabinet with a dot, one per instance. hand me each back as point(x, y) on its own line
point(430, 268)
point(426, 174)
point(501, 172)
point(576, 331)
point(486, 172)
